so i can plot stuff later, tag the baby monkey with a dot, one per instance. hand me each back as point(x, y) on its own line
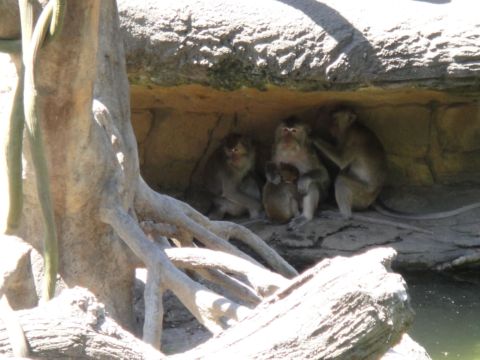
point(230, 180)
point(361, 159)
point(280, 195)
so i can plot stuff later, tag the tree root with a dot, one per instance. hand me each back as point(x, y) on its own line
point(263, 281)
point(165, 209)
point(222, 264)
point(231, 287)
point(199, 268)
point(215, 312)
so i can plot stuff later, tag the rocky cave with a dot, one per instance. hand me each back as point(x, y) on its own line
point(201, 70)
point(198, 74)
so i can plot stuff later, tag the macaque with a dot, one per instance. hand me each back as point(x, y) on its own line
point(229, 178)
point(280, 194)
point(362, 162)
point(293, 146)
point(361, 159)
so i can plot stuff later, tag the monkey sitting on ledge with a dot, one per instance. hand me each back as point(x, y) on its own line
point(362, 162)
point(293, 146)
point(361, 159)
point(229, 178)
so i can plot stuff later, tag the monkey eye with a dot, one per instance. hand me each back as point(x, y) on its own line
point(294, 130)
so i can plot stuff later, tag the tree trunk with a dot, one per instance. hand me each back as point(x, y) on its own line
point(80, 166)
point(74, 325)
point(98, 194)
point(317, 315)
point(344, 308)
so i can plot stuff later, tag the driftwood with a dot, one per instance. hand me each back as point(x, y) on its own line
point(344, 308)
point(74, 325)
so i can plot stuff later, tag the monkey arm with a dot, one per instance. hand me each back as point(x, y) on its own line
point(319, 176)
point(271, 173)
point(339, 157)
point(233, 193)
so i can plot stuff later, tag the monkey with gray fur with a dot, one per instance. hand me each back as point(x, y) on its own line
point(293, 146)
point(280, 194)
point(361, 159)
point(230, 180)
point(362, 162)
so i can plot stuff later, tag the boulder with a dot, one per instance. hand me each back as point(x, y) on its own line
point(305, 44)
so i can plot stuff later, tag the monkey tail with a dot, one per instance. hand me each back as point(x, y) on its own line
point(383, 209)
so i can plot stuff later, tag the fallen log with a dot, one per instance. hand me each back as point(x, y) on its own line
point(74, 325)
point(343, 308)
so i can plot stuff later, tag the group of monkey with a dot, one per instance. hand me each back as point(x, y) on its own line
point(296, 179)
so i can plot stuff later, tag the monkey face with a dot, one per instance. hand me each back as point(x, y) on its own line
point(237, 147)
point(236, 151)
point(289, 173)
point(291, 132)
point(342, 120)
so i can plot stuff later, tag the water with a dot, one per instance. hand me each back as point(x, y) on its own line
point(447, 320)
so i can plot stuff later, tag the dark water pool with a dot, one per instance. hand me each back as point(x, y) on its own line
point(447, 320)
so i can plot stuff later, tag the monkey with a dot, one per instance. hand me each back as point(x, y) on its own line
point(229, 178)
point(361, 158)
point(293, 146)
point(280, 195)
point(362, 161)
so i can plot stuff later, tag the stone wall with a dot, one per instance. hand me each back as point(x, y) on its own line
point(431, 137)
point(200, 69)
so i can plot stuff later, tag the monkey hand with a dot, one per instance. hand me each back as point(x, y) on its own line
point(275, 179)
point(272, 174)
point(303, 184)
point(297, 222)
point(254, 214)
point(254, 211)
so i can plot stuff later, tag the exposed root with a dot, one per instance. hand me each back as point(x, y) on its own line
point(263, 281)
point(234, 288)
point(230, 230)
point(213, 234)
point(250, 282)
point(215, 312)
point(154, 289)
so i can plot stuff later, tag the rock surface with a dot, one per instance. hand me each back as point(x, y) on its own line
point(16, 276)
point(451, 243)
point(406, 349)
point(307, 44)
